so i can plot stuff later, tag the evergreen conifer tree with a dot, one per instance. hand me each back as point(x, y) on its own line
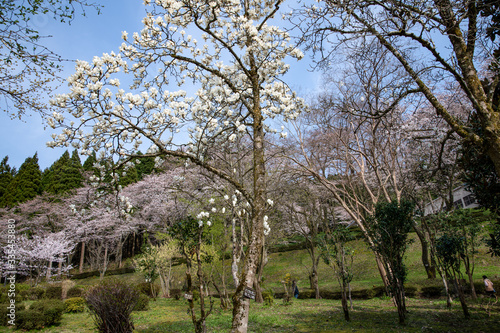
point(65, 174)
point(6, 175)
point(145, 166)
point(25, 185)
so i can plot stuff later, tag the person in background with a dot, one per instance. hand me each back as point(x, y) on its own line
point(488, 287)
point(295, 289)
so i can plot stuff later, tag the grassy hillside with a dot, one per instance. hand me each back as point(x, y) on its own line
point(366, 275)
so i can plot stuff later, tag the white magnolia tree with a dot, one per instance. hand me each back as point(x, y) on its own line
point(236, 67)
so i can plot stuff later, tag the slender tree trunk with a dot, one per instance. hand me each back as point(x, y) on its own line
point(82, 257)
point(430, 269)
point(59, 269)
point(105, 263)
point(241, 306)
point(313, 278)
point(461, 297)
point(236, 255)
point(49, 271)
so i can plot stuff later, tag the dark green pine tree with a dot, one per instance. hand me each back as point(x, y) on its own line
point(25, 185)
point(6, 175)
point(128, 177)
point(64, 174)
point(145, 166)
point(88, 165)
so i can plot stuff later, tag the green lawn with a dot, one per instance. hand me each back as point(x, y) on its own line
point(375, 315)
point(307, 315)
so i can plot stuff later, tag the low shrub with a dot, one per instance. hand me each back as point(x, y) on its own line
point(431, 291)
point(52, 310)
point(53, 292)
point(379, 291)
point(75, 291)
point(196, 295)
point(363, 293)
point(30, 320)
point(307, 293)
point(35, 293)
point(5, 311)
point(176, 293)
point(411, 291)
point(268, 298)
point(111, 304)
point(145, 288)
point(142, 303)
point(74, 305)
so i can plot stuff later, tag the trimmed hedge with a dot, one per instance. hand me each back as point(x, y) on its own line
point(118, 271)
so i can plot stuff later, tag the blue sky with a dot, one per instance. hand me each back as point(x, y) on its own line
point(85, 38)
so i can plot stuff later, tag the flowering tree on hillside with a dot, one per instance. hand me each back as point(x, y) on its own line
point(237, 71)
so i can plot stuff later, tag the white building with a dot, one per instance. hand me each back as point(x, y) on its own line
point(461, 199)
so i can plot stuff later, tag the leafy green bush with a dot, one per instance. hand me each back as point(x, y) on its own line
point(35, 293)
point(411, 291)
point(145, 288)
point(379, 291)
point(52, 310)
point(30, 320)
point(363, 293)
point(53, 292)
point(4, 311)
point(142, 303)
point(196, 295)
point(306, 293)
point(268, 298)
point(74, 304)
point(176, 293)
point(111, 304)
point(74, 292)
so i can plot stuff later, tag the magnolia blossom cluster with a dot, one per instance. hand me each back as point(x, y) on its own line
point(235, 207)
point(103, 116)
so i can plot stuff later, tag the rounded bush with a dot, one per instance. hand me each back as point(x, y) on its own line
point(36, 293)
point(52, 310)
point(145, 288)
point(53, 292)
point(176, 293)
point(74, 305)
point(142, 303)
point(4, 311)
point(74, 292)
point(30, 320)
point(111, 304)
